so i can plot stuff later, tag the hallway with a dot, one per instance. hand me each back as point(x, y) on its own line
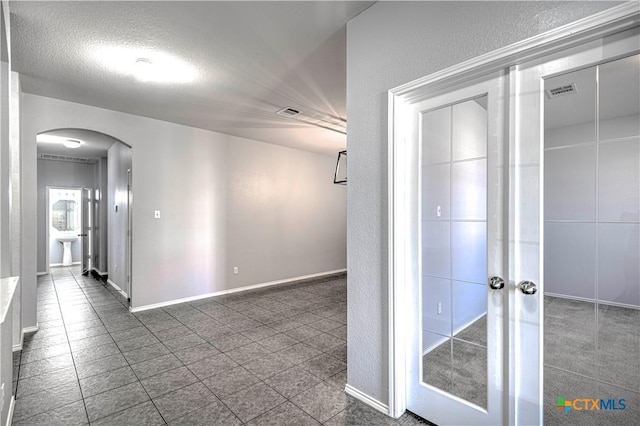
point(275, 356)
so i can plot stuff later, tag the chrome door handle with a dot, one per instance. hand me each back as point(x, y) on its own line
point(496, 283)
point(528, 287)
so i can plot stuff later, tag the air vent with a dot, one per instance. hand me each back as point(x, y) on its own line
point(316, 118)
point(568, 89)
point(288, 112)
point(66, 158)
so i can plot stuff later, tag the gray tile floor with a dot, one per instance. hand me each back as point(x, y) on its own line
point(270, 357)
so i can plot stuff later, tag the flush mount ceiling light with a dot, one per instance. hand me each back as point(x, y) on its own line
point(146, 64)
point(72, 143)
point(45, 138)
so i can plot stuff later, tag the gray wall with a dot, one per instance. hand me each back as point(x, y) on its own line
point(390, 44)
point(283, 201)
point(119, 161)
point(61, 174)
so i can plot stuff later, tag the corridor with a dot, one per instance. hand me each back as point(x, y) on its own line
point(266, 357)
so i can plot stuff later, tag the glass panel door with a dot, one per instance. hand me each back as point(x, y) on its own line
point(459, 355)
point(592, 238)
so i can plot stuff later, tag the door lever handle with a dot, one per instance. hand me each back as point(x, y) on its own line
point(527, 287)
point(496, 283)
point(82, 235)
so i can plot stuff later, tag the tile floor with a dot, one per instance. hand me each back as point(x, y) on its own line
point(267, 357)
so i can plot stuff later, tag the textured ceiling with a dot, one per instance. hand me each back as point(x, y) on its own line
point(250, 58)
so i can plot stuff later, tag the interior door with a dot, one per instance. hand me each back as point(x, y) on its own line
point(87, 227)
point(457, 355)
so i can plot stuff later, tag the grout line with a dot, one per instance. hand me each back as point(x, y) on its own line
point(230, 305)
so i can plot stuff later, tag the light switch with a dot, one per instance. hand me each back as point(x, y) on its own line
point(156, 214)
point(438, 211)
point(235, 270)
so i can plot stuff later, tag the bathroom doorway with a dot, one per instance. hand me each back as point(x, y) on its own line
point(64, 226)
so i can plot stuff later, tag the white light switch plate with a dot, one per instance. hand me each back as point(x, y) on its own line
point(156, 214)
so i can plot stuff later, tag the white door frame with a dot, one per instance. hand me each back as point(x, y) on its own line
point(48, 219)
point(606, 23)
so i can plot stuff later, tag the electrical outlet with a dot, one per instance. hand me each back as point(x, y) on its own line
point(236, 271)
point(439, 308)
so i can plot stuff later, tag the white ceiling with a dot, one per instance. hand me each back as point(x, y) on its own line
point(251, 59)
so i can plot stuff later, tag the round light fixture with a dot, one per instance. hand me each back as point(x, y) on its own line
point(72, 143)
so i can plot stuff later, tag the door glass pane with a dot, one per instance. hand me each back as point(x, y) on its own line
point(619, 104)
point(454, 249)
point(591, 251)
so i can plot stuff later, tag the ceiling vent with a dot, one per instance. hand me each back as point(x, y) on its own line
point(66, 158)
point(288, 112)
point(315, 118)
point(567, 89)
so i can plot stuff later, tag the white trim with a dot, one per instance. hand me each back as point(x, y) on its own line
point(117, 288)
point(610, 21)
point(99, 272)
point(586, 299)
point(235, 290)
point(42, 273)
point(18, 347)
point(57, 265)
point(31, 329)
point(363, 397)
point(12, 406)
point(596, 26)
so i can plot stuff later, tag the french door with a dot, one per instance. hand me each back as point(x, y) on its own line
point(466, 238)
point(457, 353)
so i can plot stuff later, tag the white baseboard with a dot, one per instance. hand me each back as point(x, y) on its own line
point(363, 397)
point(99, 272)
point(42, 273)
point(585, 299)
point(31, 329)
point(118, 289)
point(55, 265)
point(18, 347)
point(12, 406)
point(234, 290)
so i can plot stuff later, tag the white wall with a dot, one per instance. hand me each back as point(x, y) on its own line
point(390, 44)
point(60, 174)
point(118, 162)
point(219, 196)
